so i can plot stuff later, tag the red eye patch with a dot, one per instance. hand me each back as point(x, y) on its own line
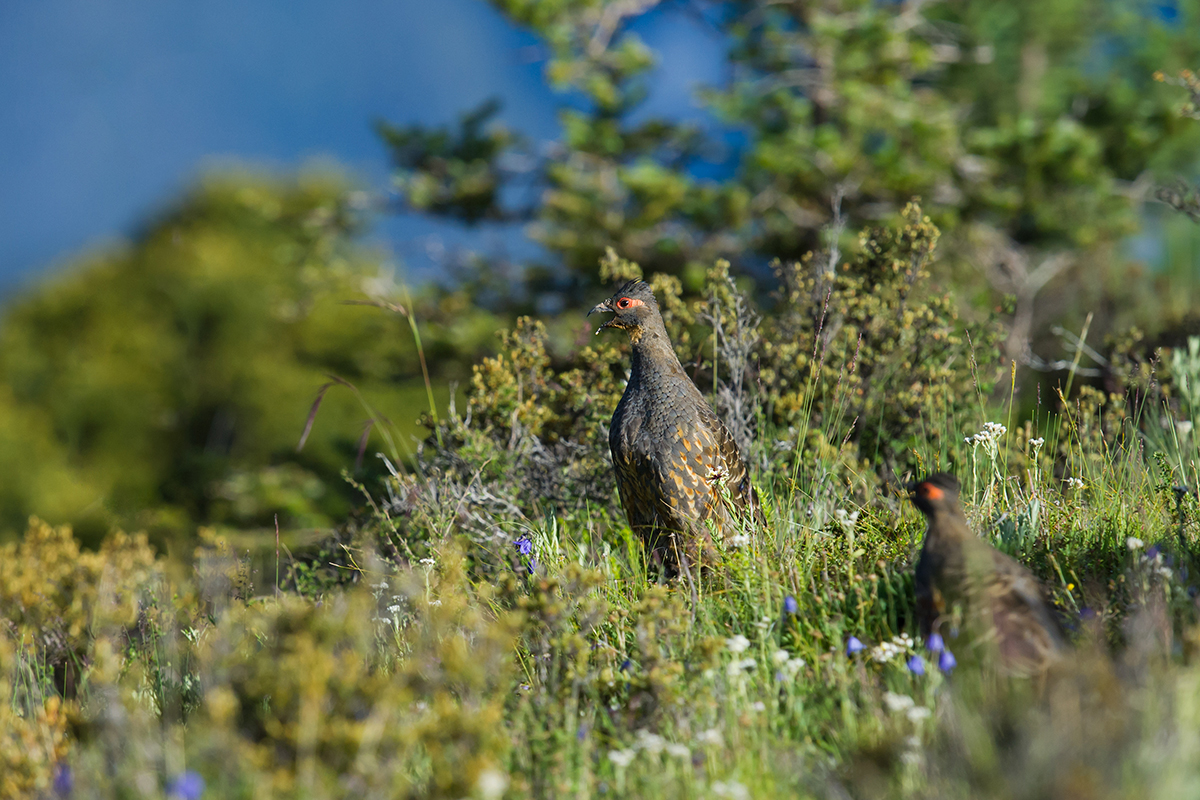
point(628, 302)
point(931, 492)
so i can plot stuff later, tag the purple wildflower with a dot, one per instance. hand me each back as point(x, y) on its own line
point(947, 661)
point(524, 545)
point(626, 664)
point(790, 606)
point(64, 781)
point(188, 786)
point(1153, 551)
point(533, 565)
point(916, 665)
point(934, 643)
point(853, 645)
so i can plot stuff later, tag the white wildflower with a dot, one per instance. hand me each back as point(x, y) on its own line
point(711, 736)
point(918, 713)
point(1037, 443)
point(886, 651)
point(846, 519)
point(739, 540)
point(897, 702)
point(737, 644)
point(991, 433)
point(622, 758)
point(491, 784)
point(678, 750)
point(793, 666)
point(428, 562)
point(1075, 483)
point(758, 706)
point(1134, 543)
point(731, 789)
point(744, 665)
point(393, 609)
point(780, 657)
point(652, 743)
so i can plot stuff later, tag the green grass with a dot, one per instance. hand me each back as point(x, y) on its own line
point(466, 675)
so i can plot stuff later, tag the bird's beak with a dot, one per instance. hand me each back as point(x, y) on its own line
point(604, 306)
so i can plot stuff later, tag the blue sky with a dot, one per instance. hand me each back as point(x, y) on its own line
point(113, 106)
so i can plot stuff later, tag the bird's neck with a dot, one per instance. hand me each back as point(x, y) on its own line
point(653, 354)
point(948, 524)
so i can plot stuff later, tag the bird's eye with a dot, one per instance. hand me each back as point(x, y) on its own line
point(624, 302)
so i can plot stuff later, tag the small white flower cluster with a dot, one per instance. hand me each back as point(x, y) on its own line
point(394, 618)
point(1037, 443)
point(787, 664)
point(654, 744)
point(737, 644)
point(991, 433)
point(1075, 483)
point(897, 703)
point(764, 624)
point(886, 651)
point(491, 784)
point(738, 666)
point(846, 519)
point(712, 736)
point(1134, 543)
point(739, 540)
point(622, 758)
point(427, 562)
point(1154, 562)
point(912, 751)
point(730, 789)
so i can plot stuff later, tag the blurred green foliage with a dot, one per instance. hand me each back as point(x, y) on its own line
point(167, 382)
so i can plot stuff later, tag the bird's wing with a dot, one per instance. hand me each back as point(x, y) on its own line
point(636, 484)
point(731, 467)
point(1028, 634)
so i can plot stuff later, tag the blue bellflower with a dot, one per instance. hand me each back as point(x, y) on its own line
point(188, 786)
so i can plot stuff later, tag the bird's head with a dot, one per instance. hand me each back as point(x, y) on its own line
point(633, 308)
point(935, 492)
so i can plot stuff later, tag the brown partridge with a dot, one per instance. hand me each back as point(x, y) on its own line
point(678, 469)
point(961, 580)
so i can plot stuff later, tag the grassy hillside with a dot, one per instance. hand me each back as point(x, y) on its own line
point(484, 624)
